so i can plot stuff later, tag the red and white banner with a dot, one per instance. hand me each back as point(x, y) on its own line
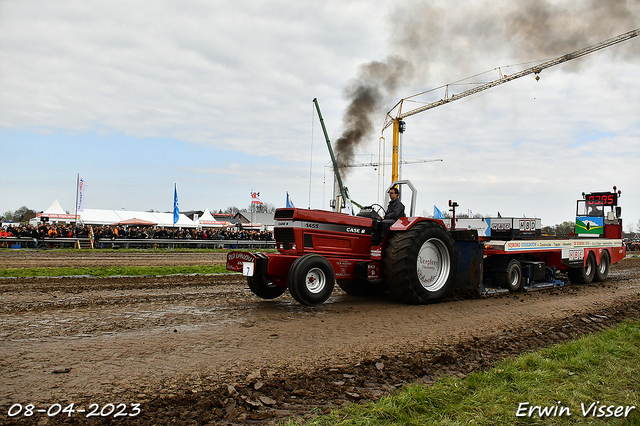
point(255, 198)
point(56, 216)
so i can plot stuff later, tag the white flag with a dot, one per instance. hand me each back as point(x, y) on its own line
point(80, 195)
point(348, 207)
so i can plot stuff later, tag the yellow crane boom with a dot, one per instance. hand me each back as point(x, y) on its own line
point(386, 163)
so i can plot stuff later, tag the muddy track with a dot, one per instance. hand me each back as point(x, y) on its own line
point(80, 259)
point(202, 349)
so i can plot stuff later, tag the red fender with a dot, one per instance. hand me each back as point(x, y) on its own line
point(405, 223)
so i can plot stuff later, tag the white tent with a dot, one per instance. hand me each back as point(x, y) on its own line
point(55, 213)
point(166, 220)
point(101, 217)
point(108, 217)
point(207, 220)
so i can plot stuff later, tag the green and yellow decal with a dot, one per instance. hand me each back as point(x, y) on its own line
point(590, 225)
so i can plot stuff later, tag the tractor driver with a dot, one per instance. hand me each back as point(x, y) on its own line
point(395, 210)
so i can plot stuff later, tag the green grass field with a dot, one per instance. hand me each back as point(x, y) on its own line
point(591, 380)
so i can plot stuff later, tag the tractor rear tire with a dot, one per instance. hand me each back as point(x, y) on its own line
point(602, 271)
point(420, 264)
point(311, 279)
point(263, 288)
point(584, 274)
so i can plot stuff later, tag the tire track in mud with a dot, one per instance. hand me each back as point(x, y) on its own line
point(51, 293)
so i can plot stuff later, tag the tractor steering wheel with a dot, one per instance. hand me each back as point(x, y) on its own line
point(379, 210)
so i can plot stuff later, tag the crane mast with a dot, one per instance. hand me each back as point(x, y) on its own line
point(343, 189)
point(398, 123)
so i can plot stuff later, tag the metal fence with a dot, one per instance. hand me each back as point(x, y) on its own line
point(152, 243)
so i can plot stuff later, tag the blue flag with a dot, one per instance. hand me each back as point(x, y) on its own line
point(176, 210)
point(289, 202)
point(437, 214)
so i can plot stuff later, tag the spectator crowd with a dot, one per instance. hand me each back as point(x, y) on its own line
point(47, 230)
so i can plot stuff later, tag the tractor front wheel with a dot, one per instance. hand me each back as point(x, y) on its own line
point(311, 279)
point(264, 288)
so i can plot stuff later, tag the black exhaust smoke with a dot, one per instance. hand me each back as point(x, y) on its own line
point(369, 93)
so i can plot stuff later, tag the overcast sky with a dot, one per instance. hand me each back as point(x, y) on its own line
point(216, 97)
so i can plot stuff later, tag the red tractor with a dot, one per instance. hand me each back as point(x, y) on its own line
point(416, 261)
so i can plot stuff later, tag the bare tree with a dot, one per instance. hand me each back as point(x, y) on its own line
point(561, 230)
point(262, 208)
point(230, 210)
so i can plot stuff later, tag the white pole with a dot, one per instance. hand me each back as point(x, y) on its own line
point(75, 233)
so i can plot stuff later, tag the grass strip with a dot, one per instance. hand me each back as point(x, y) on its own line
point(109, 271)
point(563, 382)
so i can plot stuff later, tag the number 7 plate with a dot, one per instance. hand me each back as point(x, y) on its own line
point(247, 269)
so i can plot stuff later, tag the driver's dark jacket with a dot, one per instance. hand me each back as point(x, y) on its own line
point(395, 210)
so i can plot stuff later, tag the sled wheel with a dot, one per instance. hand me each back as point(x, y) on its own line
point(311, 279)
point(264, 288)
point(420, 264)
point(584, 274)
point(549, 274)
point(602, 271)
point(510, 276)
